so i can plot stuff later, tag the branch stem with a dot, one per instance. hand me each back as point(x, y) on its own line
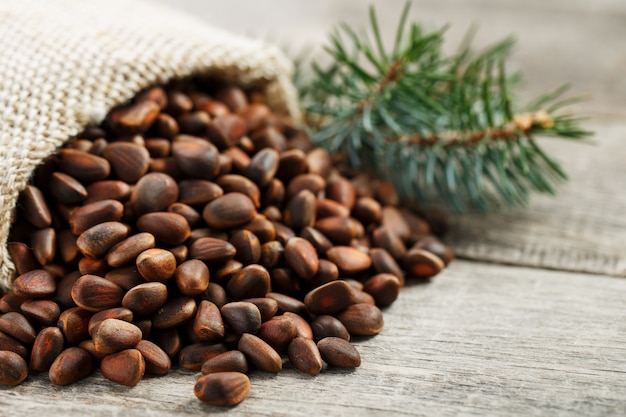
point(522, 124)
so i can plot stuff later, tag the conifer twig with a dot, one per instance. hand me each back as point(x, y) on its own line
point(437, 126)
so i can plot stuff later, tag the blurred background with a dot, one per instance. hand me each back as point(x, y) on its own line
point(577, 41)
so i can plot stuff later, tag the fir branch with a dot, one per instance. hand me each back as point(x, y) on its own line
point(437, 126)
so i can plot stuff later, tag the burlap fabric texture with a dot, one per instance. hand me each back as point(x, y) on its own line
point(65, 63)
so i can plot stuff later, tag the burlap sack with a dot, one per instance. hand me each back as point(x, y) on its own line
point(65, 63)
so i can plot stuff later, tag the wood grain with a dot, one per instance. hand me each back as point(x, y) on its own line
point(559, 41)
point(480, 339)
point(583, 228)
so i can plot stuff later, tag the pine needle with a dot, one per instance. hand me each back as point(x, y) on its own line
point(439, 126)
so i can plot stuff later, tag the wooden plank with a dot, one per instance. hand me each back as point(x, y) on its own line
point(480, 339)
point(558, 41)
point(581, 229)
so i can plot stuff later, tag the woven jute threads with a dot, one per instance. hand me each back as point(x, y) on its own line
point(64, 64)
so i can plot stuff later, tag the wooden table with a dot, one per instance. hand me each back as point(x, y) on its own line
point(530, 320)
